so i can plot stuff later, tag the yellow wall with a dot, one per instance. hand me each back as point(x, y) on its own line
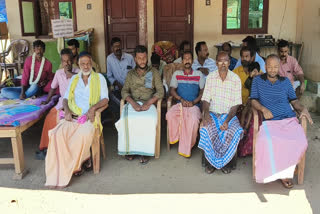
point(309, 33)
point(93, 19)
point(85, 19)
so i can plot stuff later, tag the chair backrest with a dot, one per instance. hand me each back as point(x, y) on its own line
point(19, 49)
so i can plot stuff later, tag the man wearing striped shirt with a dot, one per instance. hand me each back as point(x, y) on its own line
point(203, 63)
point(221, 130)
point(281, 141)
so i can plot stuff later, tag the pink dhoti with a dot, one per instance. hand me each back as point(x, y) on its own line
point(183, 124)
point(279, 148)
point(69, 146)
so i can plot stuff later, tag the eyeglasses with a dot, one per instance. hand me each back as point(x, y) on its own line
point(223, 62)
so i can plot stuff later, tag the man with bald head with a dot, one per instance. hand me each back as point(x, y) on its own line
point(281, 141)
point(70, 141)
point(221, 131)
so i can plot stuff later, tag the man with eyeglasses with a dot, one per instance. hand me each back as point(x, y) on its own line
point(220, 132)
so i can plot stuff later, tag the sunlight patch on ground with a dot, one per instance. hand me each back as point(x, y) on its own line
point(47, 201)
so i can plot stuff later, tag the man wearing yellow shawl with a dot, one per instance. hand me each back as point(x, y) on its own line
point(138, 121)
point(70, 141)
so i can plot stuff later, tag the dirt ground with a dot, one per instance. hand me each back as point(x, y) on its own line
point(171, 184)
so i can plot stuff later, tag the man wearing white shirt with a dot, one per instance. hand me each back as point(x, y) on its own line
point(203, 63)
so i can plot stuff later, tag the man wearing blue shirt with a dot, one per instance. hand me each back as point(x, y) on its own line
point(252, 43)
point(118, 65)
point(203, 63)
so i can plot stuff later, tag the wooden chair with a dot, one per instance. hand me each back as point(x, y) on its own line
point(158, 134)
point(169, 104)
point(300, 166)
point(20, 50)
point(98, 140)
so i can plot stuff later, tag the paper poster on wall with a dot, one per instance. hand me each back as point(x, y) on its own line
point(62, 28)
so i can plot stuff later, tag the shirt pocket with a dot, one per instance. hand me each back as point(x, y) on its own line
point(148, 80)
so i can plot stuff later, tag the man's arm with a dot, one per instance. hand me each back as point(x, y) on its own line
point(67, 111)
point(198, 99)
point(50, 95)
point(303, 111)
point(92, 111)
point(267, 114)
point(231, 114)
point(109, 72)
point(205, 113)
point(300, 77)
point(159, 92)
point(126, 95)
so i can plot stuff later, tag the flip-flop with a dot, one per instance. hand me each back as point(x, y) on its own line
point(226, 170)
point(210, 169)
point(144, 160)
point(288, 184)
point(79, 173)
point(129, 157)
point(87, 166)
point(41, 154)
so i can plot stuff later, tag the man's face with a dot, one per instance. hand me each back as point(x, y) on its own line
point(116, 49)
point(74, 50)
point(141, 60)
point(187, 61)
point(156, 66)
point(203, 53)
point(223, 62)
point(85, 64)
point(246, 59)
point(272, 67)
point(66, 62)
point(38, 50)
point(283, 53)
point(227, 49)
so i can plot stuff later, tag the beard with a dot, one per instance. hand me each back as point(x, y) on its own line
point(245, 63)
point(142, 68)
point(86, 73)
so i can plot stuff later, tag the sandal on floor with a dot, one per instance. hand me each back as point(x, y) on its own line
point(226, 170)
point(144, 160)
point(41, 154)
point(287, 183)
point(79, 173)
point(210, 169)
point(129, 157)
point(87, 165)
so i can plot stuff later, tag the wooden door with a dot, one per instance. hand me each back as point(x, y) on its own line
point(174, 21)
point(122, 19)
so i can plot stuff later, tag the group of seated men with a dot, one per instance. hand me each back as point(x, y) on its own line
point(203, 89)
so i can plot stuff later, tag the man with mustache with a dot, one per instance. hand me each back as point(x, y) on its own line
point(74, 46)
point(60, 81)
point(70, 141)
point(186, 87)
point(36, 77)
point(137, 125)
point(289, 67)
point(252, 43)
point(118, 65)
point(221, 131)
point(247, 57)
point(203, 63)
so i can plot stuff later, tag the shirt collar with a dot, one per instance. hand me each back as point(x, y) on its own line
point(185, 73)
point(218, 75)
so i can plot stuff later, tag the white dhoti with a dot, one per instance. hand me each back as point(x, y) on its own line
point(137, 131)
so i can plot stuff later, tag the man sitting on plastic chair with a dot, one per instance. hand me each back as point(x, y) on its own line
point(281, 141)
point(138, 121)
point(70, 141)
point(183, 118)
